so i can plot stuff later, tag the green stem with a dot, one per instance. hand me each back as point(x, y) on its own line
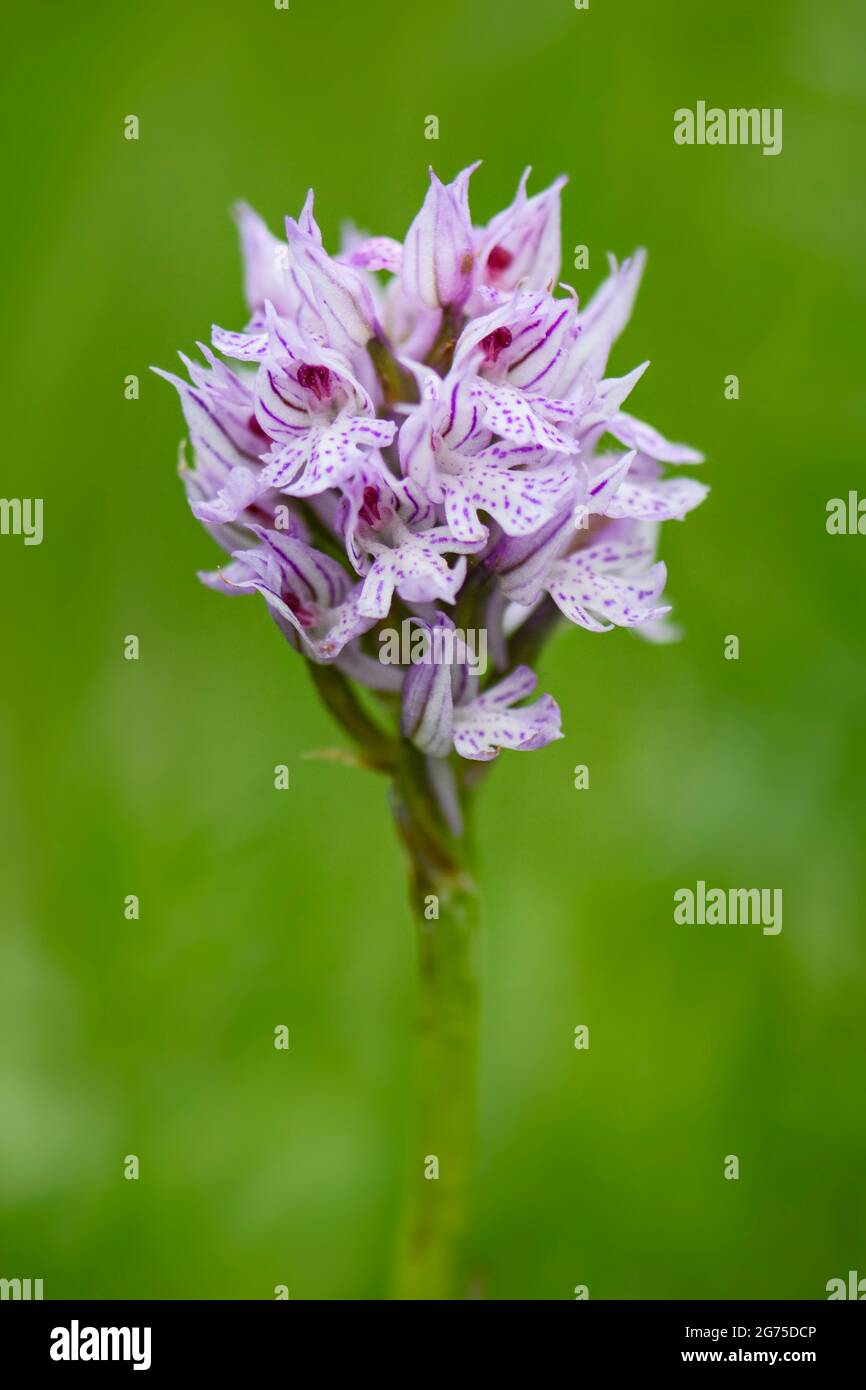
point(376, 747)
point(445, 908)
point(529, 639)
point(397, 384)
point(441, 353)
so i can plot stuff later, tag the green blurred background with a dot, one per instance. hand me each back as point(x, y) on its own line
point(258, 908)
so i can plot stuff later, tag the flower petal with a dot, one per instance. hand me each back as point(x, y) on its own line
point(521, 245)
point(598, 601)
point(519, 500)
point(667, 499)
point(517, 417)
point(438, 254)
point(635, 434)
point(336, 291)
point(427, 711)
point(241, 489)
point(488, 724)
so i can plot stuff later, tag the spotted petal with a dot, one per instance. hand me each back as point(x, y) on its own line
point(635, 434)
point(520, 500)
point(487, 724)
point(599, 600)
point(325, 455)
point(519, 417)
point(416, 569)
point(664, 499)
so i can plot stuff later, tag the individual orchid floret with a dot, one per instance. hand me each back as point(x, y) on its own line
point(438, 253)
point(309, 593)
point(427, 710)
point(312, 421)
point(442, 708)
point(227, 442)
point(334, 291)
point(518, 356)
point(520, 339)
point(520, 247)
point(590, 588)
point(390, 538)
point(321, 420)
point(599, 578)
point(219, 411)
point(449, 446)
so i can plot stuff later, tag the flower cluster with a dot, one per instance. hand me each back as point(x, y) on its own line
point(425, 431)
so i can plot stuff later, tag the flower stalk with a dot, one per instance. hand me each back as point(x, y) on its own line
point(445, 909)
